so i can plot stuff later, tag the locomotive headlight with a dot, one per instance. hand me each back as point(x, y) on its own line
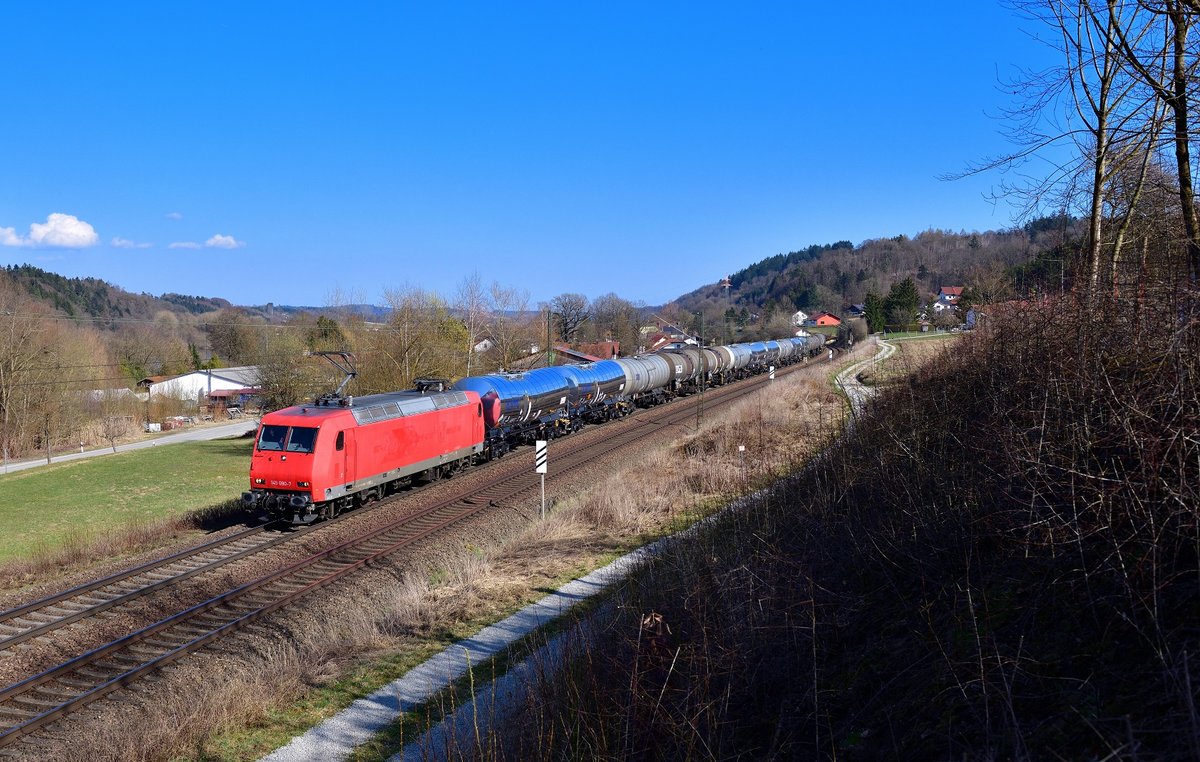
point(260, 481)
point(304, 484)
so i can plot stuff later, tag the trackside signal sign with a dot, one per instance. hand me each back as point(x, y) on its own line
point(540, 456)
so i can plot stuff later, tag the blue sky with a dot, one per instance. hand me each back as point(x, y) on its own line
point(279, 152)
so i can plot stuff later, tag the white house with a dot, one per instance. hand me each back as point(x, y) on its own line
point(195, 385)
point(798, 318)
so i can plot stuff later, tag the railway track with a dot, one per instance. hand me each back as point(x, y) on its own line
point(34, 702)
point(42, 617)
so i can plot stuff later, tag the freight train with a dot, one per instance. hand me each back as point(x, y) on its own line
point(313, 461)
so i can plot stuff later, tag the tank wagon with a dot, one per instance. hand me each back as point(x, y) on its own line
point(315, 460)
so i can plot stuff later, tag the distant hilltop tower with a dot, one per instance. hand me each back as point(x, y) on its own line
point(726, 284)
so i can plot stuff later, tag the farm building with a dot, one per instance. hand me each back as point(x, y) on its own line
point(198, 384)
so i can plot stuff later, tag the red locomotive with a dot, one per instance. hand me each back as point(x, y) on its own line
point(315, 460)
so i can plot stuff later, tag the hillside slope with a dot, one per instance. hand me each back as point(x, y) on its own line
point(95, 298)
point(830, 276)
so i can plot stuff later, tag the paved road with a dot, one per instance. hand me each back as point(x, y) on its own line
point(237, 428)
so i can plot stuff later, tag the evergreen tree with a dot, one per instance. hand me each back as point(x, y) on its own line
point(902, 302)
point(875, 314)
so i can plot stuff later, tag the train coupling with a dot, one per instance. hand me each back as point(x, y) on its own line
point(300, 503)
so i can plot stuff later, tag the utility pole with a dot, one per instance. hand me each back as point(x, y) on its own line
point(703, 362)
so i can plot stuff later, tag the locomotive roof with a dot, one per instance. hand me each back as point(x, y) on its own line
point(373, 408)
point(382, 407)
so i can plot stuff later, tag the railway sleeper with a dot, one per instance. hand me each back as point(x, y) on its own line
point(189, 632)
point(78, 685)
point(60, 694)
point(242, 607)
point(287, 588)
point(8, 710)
point(125, 662)
point(36, 618)
point(67, 608)
point(32, 703)
point(95, 672)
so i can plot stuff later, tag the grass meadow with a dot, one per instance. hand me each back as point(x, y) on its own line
point(49, 510)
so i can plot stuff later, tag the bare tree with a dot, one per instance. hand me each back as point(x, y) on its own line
point(570, 311)
point(1168, 67)
point(285, 377)
point(618, 319)
point(116, 421)
point(421, 338)
point(512, 330)
point(471, 304)
point(1106, 102)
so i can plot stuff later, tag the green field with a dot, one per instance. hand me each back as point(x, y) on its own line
point(43, 507)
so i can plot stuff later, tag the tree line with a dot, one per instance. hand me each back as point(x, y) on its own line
point(65, 381)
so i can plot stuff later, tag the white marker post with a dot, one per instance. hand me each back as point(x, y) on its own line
point(742, 460)
point(770, 372)
point(540, 458)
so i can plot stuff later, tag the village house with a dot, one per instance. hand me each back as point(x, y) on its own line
point(948, 297)
point(823, 319)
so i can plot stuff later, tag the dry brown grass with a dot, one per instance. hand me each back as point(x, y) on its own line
point(1000, 562)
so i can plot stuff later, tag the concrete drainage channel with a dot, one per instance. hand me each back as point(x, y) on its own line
point(337, 737)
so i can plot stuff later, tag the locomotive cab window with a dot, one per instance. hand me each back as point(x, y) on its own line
point(289, 439)
point(340, 444)
point(272, 437)
point(302, 439)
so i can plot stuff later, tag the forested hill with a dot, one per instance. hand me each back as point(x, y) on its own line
point(831, 276)
point(94, 298)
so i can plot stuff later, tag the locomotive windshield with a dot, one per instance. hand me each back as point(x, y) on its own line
point(302, 439)
point(289, 438)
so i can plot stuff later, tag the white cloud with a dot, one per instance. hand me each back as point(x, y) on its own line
point(59, 230)
point(174, 215)
point(125, 243)
point(64, 230)
point(184, 245)
point(224, 242)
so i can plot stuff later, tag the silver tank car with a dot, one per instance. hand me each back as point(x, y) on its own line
point(772, 356)
point(683, 369)
point(699, 361)
point(741, 355)
point(758, 353)
point(787, 350)
point(522, 397)
point(594, 382)
point(645, 372)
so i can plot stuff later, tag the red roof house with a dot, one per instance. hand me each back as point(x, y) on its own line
point(824, 319)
